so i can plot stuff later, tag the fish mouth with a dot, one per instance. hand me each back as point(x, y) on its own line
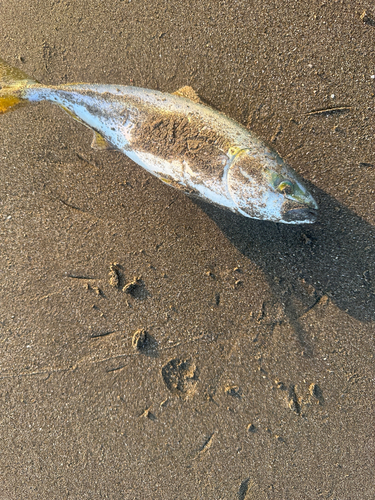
point(298, 213)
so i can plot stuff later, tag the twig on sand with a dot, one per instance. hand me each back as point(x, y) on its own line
point(327, 111)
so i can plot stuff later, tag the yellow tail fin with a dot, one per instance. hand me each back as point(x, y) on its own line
point(12, 81)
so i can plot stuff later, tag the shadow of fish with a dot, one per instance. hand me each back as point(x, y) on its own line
point(180, 140)
point(334, 258)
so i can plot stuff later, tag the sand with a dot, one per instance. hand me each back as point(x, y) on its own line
point(155, 347)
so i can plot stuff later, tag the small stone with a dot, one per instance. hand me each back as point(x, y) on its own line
point(251, 428)
point(366, 18)
point(132, 287)
point(238, 284)
point(316, 392)
point(280, 385)
point(234, 391)
point(293, 402)
point(148, 414)
point(114, 275)
point(140, 339)
point(323, 300)
point(306, 239)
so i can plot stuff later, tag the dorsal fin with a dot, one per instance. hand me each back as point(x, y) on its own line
point(189, 93)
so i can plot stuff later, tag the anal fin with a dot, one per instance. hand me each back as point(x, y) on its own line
point(99, 143)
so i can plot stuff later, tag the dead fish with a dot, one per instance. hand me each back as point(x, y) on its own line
point(180, 140)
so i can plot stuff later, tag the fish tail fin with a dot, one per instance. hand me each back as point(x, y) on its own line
point(12, 83)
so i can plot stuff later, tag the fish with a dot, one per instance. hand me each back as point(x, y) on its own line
point(181, 140)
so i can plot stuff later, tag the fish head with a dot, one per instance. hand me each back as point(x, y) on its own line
point(262, 186)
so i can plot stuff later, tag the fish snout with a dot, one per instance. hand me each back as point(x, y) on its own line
point(297, 213)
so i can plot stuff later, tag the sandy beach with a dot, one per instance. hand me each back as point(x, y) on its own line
point(156, 347)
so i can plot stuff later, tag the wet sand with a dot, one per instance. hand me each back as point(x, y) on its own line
point(254, 379)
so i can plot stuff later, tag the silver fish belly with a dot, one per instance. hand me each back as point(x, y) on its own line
point(183, 142)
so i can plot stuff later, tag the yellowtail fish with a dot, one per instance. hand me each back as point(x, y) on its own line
point(180, 140)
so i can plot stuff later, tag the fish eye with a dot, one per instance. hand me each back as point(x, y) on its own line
point(285, 187)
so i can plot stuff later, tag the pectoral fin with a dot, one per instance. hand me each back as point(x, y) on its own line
point(99, 143)
point(189, 93)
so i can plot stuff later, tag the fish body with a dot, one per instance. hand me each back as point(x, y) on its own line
point(182, 141)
